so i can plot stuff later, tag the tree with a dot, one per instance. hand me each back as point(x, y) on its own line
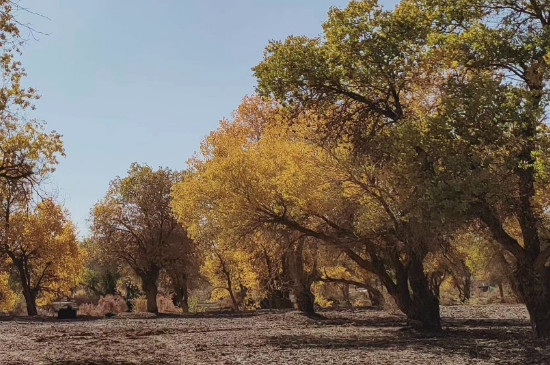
point(101, 274)
point(279, 180)
point(134, 224)
point(27, 153)
point(43, 249)
point(491, 131)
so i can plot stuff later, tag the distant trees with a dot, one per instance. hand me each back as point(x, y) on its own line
point(135, 225)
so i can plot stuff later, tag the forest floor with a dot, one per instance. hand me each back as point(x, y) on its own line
point(490, 334)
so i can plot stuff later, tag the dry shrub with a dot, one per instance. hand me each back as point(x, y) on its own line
point(166, 305)
point(139, 304)
point(108, 304)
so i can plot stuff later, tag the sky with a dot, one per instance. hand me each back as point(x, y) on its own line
point(146, 80)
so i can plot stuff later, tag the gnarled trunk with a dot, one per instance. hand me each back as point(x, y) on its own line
point(149, 286)
point(180, 296)
point(420, 304)
point(305, 299)
point(301, 281)
point(534, 288)
point(410, 288)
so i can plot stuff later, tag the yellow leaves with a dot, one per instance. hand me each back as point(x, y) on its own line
point(46, 240)
point(7, 296)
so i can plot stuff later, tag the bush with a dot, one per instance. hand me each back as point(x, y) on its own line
point(194, 306)
point(108, 304)
point(139, 304)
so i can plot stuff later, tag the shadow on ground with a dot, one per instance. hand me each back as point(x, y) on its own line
point(505, 341)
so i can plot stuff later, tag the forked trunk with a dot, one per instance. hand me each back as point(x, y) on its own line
point(30, 301)
point(28, 293)
point(301, 283)
point(414, 297)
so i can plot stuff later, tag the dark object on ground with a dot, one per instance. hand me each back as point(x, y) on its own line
point(65, 310)
point(66, 313)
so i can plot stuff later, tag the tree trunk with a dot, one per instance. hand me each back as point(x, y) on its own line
point(467, 287)
point(345, 294)
point(534, 288)
point(30, 300)
point(180, 297)
point(376, 297)
point(301, 283)
point(501, 292)
point(419, 303)
point(28, 293)
point(232, 295)
point(410, 290)
point(304, 299)
point(149, 287)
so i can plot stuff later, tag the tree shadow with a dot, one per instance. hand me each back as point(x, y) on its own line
point(510, 341)
point(46, 319)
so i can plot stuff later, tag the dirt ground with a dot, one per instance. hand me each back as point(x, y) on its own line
point(491, 334)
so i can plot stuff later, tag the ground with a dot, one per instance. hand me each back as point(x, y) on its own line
point(491, 334)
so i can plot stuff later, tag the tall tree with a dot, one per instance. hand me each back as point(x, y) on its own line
point(463, 88)
point(278, 179)
point(134, 223)
point(43, 250)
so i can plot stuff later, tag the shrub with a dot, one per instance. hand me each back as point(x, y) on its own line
point(139, 304)
point(108, 304)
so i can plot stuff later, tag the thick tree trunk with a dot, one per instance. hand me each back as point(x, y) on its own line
point(180, 296)
point(534, 289)
point(304, 299)
point(467, 287)
point(30, 301)
point(232, 295)
point(149, 287)
point(301, 283)
point(410, 290)
point(276, 299)
point(414, 297)
point(501, 292)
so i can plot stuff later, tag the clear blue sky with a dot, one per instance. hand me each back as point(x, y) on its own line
point(145, 81)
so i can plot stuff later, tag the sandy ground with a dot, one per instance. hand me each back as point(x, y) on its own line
point(492, 334)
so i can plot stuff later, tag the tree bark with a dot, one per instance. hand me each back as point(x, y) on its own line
point(149, 286)
point(420, 304)
point(301, 283)
point(376, 297)
point(345, 294)
point(28, 292)
point(304, 299)
point(180, 296)
point(410, 289)
point(30, 301)
point(534, 289)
